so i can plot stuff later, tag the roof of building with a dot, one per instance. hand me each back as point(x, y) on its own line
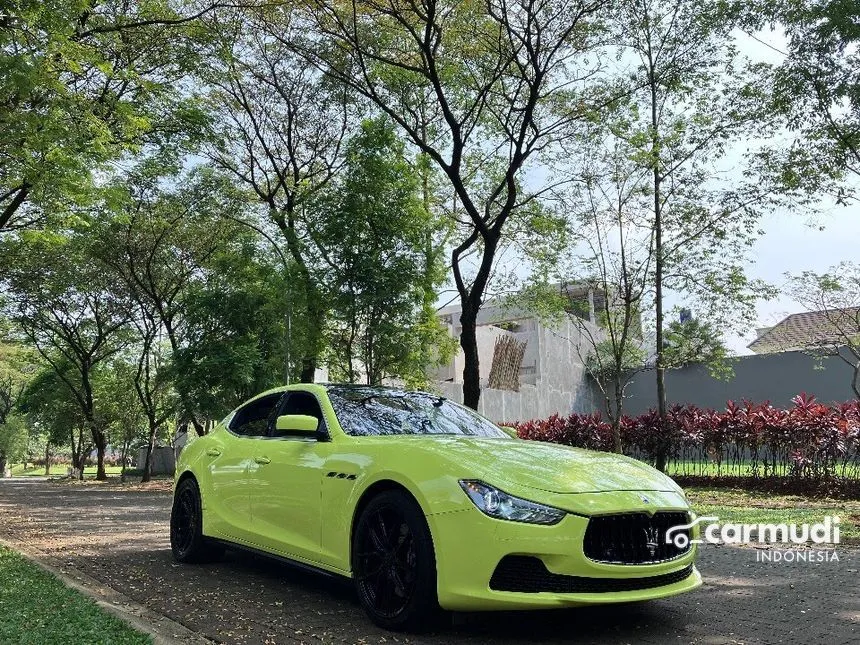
point(808, 329)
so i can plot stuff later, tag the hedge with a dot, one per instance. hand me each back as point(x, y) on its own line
point(810, 440)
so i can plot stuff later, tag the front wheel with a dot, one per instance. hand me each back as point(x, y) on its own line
point(394, 565)
point(187, 541)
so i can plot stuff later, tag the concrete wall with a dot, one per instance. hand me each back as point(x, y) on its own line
point(163, 460)
point(762, 377)
point(559, 386)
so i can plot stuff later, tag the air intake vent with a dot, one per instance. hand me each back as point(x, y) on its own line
point(527, 574)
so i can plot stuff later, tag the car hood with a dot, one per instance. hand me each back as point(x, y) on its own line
point(547, 466)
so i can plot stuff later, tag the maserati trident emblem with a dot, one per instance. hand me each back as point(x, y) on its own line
point(645, 499)
point(652, 537)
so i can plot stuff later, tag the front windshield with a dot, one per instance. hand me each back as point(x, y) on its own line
point(369, 411)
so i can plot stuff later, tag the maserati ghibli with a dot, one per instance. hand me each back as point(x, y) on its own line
point(427, 506)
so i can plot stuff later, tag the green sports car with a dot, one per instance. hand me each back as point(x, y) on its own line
point(427, 505)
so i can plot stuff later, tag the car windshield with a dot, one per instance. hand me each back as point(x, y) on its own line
point(369, 411)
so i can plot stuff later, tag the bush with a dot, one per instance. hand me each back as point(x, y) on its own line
point(809, 441)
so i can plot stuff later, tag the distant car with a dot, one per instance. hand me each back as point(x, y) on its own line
point(427, 505)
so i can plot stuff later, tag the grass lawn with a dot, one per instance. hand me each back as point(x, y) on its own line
point(38, 609)
point(750, 507)
point(742, 469)
point(56, 471)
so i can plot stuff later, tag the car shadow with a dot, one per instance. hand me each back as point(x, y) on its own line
point(250, 598)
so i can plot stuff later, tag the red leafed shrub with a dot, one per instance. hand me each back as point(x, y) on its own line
point(809, 441)
point(581, 430)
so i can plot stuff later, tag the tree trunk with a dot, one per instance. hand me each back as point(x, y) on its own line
point(616, 418)
point(82, 461)
point(100, 442)
point(285, 220)
point(471, 366)
point(316, 318)
point(2, 465)
point(76, 449)
point(199, 428)
point(855, 382)
point(150, 446)
point(14, 205)
point(662, 448)
point(123, 459)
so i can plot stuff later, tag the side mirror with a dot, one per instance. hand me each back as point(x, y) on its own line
point(511, 432)
point(296, 424)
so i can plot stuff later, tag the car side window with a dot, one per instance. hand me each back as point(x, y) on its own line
point(299, 402)
point(253, 419)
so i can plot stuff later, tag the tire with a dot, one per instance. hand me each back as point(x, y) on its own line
point(187, 541)
point(394, 564)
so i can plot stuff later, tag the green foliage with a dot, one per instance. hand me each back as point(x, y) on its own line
point(50, 406)
point(81, 84)
point(816, 91)
point(63, 306)
point(376, 235)
point(605, 364)
point(208, 301)
point(37, 609)
point(233, 343)
point(13, 439)
point(696, 341)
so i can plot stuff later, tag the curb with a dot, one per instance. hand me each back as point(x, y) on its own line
point(163, 630)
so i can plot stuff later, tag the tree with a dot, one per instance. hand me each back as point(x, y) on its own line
point(816, 90)
point(608, 250)
point(158, 242)
point(480, 89)
point(836, 294)
point(82, 83)
point(126, 419)
point(17, 365)
point(233, 345)
point(63, 306)
point(372, 228)
point(50, 407)
point(694, 97)
point(279, 133)
point(695, 341)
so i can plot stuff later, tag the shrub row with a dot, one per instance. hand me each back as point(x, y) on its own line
point(809, 440)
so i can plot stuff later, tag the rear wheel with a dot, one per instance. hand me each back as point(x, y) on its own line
point(394, 565)
point(187, 541)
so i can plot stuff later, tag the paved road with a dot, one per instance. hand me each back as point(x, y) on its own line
point(119, 537)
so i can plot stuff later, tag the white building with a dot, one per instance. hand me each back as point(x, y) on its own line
point(552, 375)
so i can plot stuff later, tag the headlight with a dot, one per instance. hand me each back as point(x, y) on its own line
point(498, 504)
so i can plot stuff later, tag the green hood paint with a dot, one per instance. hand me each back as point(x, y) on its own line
point(537, 465)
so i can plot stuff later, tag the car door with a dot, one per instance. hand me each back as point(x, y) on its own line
point(231, 458)
point(286, 477)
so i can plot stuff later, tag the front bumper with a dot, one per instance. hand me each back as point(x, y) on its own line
point(469, 546)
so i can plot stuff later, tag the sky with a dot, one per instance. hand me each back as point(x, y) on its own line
point(793, 244)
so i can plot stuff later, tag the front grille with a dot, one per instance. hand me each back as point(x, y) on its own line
point(634, 538)
point(526, 574)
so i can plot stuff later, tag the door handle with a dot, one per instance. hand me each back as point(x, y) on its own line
point(262, 460)
point(213, 452)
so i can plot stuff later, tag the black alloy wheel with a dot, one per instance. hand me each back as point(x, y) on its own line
point(394, 565)
point(187, 541)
